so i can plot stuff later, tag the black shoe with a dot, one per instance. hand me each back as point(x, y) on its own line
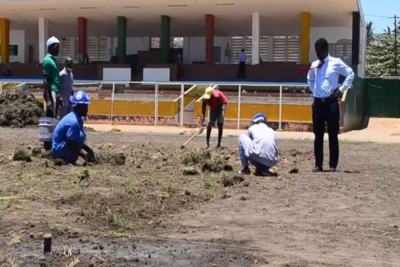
point(245, 170)
point(332, 169)
point(318, 169)
point(264, 172)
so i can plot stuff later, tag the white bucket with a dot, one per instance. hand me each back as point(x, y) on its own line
point(46, 128)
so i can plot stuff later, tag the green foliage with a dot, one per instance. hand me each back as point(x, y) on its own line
point(380, 54)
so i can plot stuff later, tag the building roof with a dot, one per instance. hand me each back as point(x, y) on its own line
point(232, 17)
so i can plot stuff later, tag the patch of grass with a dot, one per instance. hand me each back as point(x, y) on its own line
point(8, 260)
point(212, 187)
point(79, 179)
point(110, 195)
point(15, 240)
point(36, 151)
point(89, 129)
point(117, 159)
point(116, 219)
point(354, 142)
point(74, 262)
point(214, 164)
point(190, 171)
point(115, 130)
point(88, 212)
point(30, 185)
point(56, 230)
point(196, 156)
point(22, 154)
point(205, 160)
point(231, 180)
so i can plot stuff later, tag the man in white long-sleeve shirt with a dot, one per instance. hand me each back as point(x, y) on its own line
point(323, 80)
point(258, 147)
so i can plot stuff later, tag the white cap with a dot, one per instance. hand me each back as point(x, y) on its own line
point(52, 40)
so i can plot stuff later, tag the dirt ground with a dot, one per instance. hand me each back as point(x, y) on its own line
point(152, 204)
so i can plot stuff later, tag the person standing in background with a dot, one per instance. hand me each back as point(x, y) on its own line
point(323, 80)
point(242, 65)
point(66, 87)
point(51, 80)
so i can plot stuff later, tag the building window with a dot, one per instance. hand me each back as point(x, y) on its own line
point(342, 49)
point(237, 44)
point(286, 49)
point(155, 43)
point(175, 42)
point(13, 50)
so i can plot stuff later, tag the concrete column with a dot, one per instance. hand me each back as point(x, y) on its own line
point(270, 48)
point(82, 38)
point(209, 39)
point(121, 50)
point(305, 38)
point(363, 44)
point(165, 38)
point(109, 47)
point(5, 40)
point(255, 59)
point(355, 42)
point(43, 36)
point(186, 50)
point(72, 51)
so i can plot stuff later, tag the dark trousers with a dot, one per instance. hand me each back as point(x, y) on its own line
point(242, 70)
point(326, 110)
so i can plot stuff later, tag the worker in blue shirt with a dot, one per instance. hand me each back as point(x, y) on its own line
point(258, 147)
point(69, 136)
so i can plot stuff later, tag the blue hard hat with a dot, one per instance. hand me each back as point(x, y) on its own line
point(80, 97)
point(259, 117)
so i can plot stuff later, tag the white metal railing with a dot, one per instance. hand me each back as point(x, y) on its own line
point(156, 87)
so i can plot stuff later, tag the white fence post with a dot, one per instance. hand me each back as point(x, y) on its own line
point(112, 104)
point(182, 104)
point(156, 105)
point(280, 108)
point(239, 104)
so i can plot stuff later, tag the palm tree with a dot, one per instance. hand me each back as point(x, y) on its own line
point(388, 31)
point(370, 33)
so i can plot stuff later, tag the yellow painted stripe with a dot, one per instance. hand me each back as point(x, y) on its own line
point(290, 113)
point(5, 40)
point(305, 37)
point(132, 108)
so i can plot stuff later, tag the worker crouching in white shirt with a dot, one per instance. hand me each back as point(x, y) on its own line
point(258, 147)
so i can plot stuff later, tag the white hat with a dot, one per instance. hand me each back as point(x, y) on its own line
point(52, 40)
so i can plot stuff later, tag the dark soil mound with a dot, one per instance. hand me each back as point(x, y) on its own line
point(18, 109)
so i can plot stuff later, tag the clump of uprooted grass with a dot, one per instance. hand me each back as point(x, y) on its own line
point(196, 156)
point(22, 154)
point(205, 160)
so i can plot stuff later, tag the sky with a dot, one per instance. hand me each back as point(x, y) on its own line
point(381, 13)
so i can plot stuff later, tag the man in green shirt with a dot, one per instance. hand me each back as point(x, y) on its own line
point(51, 77)
point(51, 80)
